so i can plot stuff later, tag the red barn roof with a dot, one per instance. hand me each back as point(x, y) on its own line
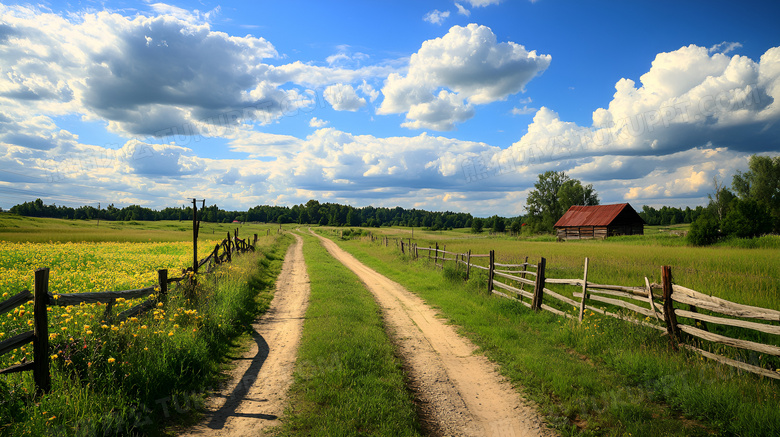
point(597, 215)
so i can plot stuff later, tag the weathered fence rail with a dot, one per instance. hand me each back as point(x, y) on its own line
point(42, 299)
point(651, 305)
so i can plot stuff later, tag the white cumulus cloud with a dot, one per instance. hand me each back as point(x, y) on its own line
point(471, 64)
point(343, 97)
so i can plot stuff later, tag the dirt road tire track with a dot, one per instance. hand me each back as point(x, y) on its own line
point(256, 395)
point(460, 394)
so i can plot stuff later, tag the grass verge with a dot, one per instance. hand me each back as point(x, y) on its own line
point(138, 376)
point(347, 380)
point(603, 377)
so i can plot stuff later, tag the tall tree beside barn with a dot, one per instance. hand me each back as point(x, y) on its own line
point(554, 194)
point(761, 184)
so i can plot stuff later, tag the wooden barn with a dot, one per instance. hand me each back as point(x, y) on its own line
point(599, 221)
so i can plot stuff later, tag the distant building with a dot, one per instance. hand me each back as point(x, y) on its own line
point(599, 221)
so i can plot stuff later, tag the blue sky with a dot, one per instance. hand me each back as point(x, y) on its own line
point(439, 105)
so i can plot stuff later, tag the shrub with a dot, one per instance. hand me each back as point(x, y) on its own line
point(704, 231)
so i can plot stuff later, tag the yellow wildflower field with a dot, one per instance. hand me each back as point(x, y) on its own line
point(83, 267)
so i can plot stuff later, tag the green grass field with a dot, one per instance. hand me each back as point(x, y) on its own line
point(731, 271)
point(604, 377)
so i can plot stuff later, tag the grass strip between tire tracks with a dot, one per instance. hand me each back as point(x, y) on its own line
point(347, 380)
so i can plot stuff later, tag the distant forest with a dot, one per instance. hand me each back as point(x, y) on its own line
point(313, 212)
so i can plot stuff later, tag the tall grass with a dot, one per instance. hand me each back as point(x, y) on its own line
point(347, 380)
point(139, 375)
point(604, 377)
point(743, 271)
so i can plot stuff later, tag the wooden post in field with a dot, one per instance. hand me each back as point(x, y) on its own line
point(254, 243)
point(669, 317)
point(536, 304)
point(216, 254)
point(584, 290)
point(162, 281)
point(402, 247)
point(267, 232)
point(468, 264)
point(41, 339)
point(491, 267)
point(436, 256)
point(194, 236)
point(525, 267)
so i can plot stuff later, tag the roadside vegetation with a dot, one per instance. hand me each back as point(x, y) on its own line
point(604, 376)
point(347, 380)
point(139, 375)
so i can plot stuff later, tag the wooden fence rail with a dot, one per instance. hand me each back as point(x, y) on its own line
point(652, 304)
point(42, 299)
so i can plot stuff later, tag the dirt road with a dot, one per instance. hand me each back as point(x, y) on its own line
point(461, 394)
point(255, 396)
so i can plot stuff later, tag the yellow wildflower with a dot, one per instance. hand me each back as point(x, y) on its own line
point(111, 360)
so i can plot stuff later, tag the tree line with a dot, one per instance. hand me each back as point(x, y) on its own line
point(750, 209)
point(313, 212)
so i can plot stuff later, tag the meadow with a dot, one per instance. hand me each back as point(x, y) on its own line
point(604, 376)
point(110, 378)
point(732, 270)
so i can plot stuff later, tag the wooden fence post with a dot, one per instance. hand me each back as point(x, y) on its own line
point(525, 267)
point(255, 242)
point(194, 236)
point(444, 256)
point(539, 286)
point(41, 339)
point(491, 267)
point(402, 247)
point(107, 312)
point(669, 317)
point(584, 290)
point(162, 280)
point(468, 264)
point(436, 255)
point(650, 298)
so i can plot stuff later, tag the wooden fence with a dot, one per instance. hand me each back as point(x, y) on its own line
point(654, 304)
point(42, 299)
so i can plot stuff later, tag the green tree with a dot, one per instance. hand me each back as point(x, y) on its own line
point(761, 183)
point(720, 201)
point(497, 224)
point(476, 226)
point(572, 192)
point(704, 230)
point(554, 193)
point(747, 219)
